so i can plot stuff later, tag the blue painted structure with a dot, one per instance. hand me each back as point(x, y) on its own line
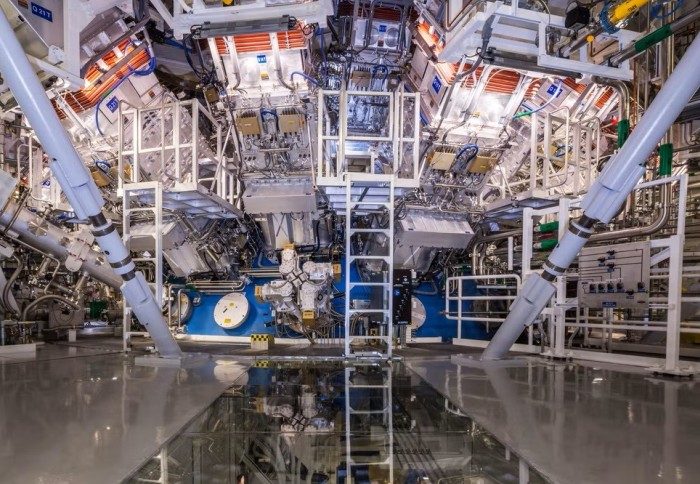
point(202, 320)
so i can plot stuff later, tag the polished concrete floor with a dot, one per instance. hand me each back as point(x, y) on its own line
point(579, 422)
point(90, 415)
point(84, 413)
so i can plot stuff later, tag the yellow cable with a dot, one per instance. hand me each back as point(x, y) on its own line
point(625, 9)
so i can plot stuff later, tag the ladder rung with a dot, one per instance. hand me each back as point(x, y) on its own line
point(370, 337)
point(370, 284)
point(369, 257)
point(133, 210)
point(368, 412)
point(368, 386)
point(380, 463)
point(369, 231)
point(386, 204)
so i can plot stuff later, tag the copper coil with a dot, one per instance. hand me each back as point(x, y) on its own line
point(88, 97)
point(604, 98)
point(573, 85)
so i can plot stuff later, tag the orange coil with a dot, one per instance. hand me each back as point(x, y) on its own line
point(604, 98)
point(221, 46)
point(88, 97)
point(573, 85)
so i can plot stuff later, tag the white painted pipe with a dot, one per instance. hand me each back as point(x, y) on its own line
point(54, 241)
point(78, 185)
point(603, 201)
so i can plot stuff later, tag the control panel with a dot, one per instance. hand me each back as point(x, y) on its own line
point(614, 276)
point(402, 292)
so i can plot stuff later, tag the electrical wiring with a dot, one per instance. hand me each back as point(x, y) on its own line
point(551, 99)
point(308, 78)
point(377, 68)
point(204, 76)
point(267, 112)
point(143, 72)
point(472, 147)
point(657, 8)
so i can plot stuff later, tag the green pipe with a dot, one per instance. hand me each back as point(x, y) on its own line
point(623, 131)
point(665, 159)
point(548, 244)
point(547, 227)
point(654, 38)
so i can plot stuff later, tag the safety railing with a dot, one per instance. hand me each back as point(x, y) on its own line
point(458, 303)
point(370, 132)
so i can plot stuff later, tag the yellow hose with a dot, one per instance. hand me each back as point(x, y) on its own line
point(625, 9)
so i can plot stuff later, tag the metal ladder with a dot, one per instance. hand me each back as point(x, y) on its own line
point(356, 392)
point(357, 202)
point(138, 192)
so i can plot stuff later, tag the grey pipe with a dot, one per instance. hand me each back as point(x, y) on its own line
point(499, 236)
point(581, 40)
point(643, 44)
point(55, 242)
point(79, 187)
point(623, 92)
point(658, 224)
point(48, 297)
point(8, 286)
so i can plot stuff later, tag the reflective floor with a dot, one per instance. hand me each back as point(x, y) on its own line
point(323, 422)
point(87, 415)
point(580, 422)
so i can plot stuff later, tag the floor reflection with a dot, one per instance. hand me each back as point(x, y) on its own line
point(329, 423)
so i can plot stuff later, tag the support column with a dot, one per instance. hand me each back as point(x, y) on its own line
point(603, 200)
point(78, 185)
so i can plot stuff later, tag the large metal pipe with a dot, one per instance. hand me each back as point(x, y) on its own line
point(623, 92)
point(659, 222)
point(47, 238)
point(653, 38)
point(48, 297)
point(609, 18)
point(582, 39)
point(79, 187)
point(604, 199)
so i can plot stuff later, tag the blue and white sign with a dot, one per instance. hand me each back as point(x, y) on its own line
point(262, 59)
point(113, 104)
point(382, 28)
point(552, 89)
point(437, 84)
point(42, 12)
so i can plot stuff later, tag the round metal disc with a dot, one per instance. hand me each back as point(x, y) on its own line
point(374, 36)
point(231, 310)
point(392, 37)
point(417, 313)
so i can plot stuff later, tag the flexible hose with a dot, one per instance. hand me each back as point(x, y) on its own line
point(10, 282)
point(308, 78)
point(556, 92)
point(48, 297)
